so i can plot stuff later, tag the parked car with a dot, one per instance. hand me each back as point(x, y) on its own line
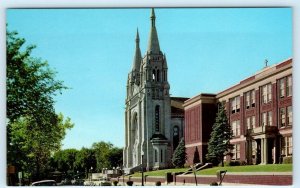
point(44, 183)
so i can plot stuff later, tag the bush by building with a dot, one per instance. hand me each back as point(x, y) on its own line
point(287, 160)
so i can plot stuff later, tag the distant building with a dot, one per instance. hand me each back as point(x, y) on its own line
point(259, 110)
point(153, 120)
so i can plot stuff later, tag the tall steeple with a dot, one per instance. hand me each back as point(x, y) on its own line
point(153, 44)
point(137, 56)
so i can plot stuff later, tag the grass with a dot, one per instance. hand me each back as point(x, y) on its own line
point(249, 168)
point(160, 172)
point(212, 171)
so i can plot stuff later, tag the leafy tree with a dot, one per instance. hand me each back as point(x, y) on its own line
point(34, 130)
point(65, 160)
point(102, 151)
point(30, 82)
point(219, 142)
point(115, 157)
point(85, 160)
point(196, 156)
point(31, 146)
point(179, 155)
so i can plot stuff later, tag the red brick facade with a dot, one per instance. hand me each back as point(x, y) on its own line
point(260, 109)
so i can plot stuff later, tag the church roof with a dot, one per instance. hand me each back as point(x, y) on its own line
point(153, 44)
point(177, 106)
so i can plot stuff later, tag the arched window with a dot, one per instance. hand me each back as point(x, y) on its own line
point(175, 137)
point(153, 75)
point(157, 76)
point(157, 118)
point(161, 156)
point(155, 155)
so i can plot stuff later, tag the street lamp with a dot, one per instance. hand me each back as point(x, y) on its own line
point(91, 172)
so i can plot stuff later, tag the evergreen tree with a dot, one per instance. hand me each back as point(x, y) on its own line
point(179, 155)
point(219, 142)
point(196, 156)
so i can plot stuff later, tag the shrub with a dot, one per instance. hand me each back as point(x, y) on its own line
point(214, 184)
point(287, 160)
point(105, 184)
point(115, 183)
point(158, 183)
point(129, 183)
point(234, 163)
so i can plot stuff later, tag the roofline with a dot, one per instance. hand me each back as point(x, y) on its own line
point(283, 65)
point(198, 97)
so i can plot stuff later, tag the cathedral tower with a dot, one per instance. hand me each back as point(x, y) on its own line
point(148, 108)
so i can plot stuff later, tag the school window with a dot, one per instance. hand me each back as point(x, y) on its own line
point(289, 145)
point(248, 122)
point(289, 116)
point(289, 86)
point(236, 152)
point(235, 104)
point(253, 121)
point(161, 155)
point(286, 146)
point(270, 118)
point(235, 125)
point(282, 117)
point(281, 87)
point(264, 119)
point(266, 93)
point(283, 146)
point(250, 99)
point(155, 156)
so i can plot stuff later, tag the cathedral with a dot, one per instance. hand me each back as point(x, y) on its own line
point(154, 121)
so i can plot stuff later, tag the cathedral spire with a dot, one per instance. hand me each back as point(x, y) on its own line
point(137, 56)
point(153, 44)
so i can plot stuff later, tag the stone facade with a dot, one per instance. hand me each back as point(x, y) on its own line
point(153, 120)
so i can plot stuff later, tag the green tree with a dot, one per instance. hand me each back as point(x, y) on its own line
point(219, 142)
point(85, 160)
point(179, 155)
point(196, 156)
point(34, 130)
point(31, 146)
point(102, 152)
point(65, 160)
point(115, 157)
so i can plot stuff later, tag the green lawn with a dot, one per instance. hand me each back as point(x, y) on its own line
point(212, 171)
point(160, 172)
point(249, 168)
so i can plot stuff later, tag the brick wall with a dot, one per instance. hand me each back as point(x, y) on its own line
point(229, 178)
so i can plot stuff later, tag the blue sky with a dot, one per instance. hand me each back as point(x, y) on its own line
point(207, 49)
